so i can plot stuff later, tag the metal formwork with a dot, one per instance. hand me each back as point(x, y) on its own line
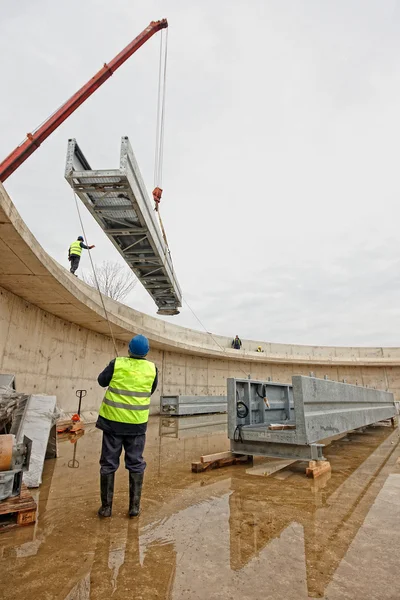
point(118, 201)
point(193, 405)
point(308, 411)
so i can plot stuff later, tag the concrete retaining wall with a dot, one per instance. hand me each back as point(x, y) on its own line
point(51, 355)
point(53, 336)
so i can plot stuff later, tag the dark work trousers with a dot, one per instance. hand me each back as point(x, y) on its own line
point(74, 262)
point(112, 448)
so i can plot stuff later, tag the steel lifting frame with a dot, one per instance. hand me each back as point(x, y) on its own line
point(119, 202)
point(308, 411)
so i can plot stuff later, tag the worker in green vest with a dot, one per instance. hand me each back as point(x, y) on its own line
point(74, 253)
point(123, 418)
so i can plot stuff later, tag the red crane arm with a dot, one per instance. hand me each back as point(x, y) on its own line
point(33, 140)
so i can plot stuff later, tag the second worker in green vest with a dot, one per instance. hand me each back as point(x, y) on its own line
point(74, 253)
point(123, 418)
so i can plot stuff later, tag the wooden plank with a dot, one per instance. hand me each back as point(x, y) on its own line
point(280, 426)
point(234, 459)
point(217, 456)
point(270, 467)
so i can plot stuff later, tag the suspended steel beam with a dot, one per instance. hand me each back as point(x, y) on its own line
point(128, 219)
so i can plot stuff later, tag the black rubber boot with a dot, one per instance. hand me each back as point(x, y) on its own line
point(107, 494)
point(135, 492)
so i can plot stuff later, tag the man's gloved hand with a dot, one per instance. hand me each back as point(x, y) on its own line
point(93, 246)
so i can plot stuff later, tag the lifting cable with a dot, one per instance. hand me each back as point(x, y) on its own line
point(210, 334)
point(159, 154)
point(95, 275)
point(159, 145)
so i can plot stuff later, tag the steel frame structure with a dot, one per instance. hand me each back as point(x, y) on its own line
point(310, 409)
point(119, 202)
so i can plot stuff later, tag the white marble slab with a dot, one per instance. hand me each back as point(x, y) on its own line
point(38, 421)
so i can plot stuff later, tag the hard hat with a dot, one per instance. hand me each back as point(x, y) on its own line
point(139, 346)
point(80, 238)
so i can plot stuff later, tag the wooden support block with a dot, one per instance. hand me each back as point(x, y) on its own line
point(18, 510)
point(206, 458)
point(318, 484)
point(63, 426)
point(318, 467)
point(232, 459)
point(69, 426)
point(280, 426)
point(26, 516)
point(78, 426)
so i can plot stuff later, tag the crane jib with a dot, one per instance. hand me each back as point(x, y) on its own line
point(37, 137)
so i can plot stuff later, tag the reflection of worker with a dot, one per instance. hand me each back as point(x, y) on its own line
point(121, 563)
point(75, 251)
point(123, 419)
point(236, 343)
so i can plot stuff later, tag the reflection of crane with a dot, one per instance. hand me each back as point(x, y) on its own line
point(33, 140)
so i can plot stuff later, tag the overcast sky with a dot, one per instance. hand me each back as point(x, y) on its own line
point(281, 161)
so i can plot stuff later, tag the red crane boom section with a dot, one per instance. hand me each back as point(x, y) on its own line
point(33, 140)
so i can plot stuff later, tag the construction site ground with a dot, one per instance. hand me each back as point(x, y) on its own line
point(221, 534)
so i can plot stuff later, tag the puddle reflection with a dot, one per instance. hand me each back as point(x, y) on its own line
point(218, 535)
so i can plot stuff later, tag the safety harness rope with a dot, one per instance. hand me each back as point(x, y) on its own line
point(95, 274)
point(210, 334)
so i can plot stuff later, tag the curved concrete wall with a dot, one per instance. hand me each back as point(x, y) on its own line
point(54, 336)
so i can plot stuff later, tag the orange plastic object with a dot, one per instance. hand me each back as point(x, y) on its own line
point(157, 193)
point(75, 418)
point(6, 448)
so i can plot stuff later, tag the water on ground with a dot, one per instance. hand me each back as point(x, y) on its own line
point(216, 535)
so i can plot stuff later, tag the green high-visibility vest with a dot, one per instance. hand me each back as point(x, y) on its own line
point(127, 399)
point(75, 248)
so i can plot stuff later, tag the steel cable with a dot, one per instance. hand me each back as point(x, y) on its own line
point(95, 275)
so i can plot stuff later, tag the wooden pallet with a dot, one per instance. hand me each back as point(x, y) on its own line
point(18, 510)
point(221, 459)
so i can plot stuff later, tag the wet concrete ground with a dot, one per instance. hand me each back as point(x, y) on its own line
point(216, 535)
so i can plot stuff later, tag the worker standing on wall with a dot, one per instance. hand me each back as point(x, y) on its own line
point(74, 253)
point(236, 343)
point(123, 418)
